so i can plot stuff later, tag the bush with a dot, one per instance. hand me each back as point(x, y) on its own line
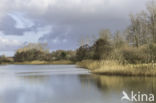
point(63, 55)
point(102, 49)
point(150, 51)
point(134, 55)
point(84, 52)
point(118, 56)
point(4, 59)
point(30, 55)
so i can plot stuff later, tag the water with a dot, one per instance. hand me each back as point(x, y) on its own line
point(66, 84)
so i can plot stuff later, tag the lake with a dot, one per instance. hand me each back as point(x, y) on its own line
point(66, 84)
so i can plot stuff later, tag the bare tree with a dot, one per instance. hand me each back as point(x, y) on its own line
point(105, 34)
point(151, 7)
point(118, 40)
point(137, 32)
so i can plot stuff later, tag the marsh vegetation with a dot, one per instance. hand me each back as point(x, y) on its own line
point(128, 52)
point(131, 52)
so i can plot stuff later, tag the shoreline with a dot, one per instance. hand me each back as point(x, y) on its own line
point(113, 68)
point(109, 68)
point(36, 62)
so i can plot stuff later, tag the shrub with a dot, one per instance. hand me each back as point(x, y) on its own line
point(63, 55)
point(150, 51)
point(134, 55)
point(4, 59)
point(84, 52)
point(30, 55)
point(102, 49)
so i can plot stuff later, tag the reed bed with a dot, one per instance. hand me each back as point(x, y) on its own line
point(112, 67)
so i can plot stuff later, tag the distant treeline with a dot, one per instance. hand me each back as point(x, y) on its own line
point(136, 44)
point(39, 51)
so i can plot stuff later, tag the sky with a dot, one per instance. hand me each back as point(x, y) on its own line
point(60, 23)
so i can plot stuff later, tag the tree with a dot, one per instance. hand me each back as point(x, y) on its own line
point(63, 55)
point(32, 52)
point(4, 59)
point(83, 52)
point(105, 34)
point(118, 40)
point(102, 49)
point(137, 32)
point(142, 29)
point(151, 7)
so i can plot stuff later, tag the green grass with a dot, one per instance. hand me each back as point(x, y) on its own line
point(111, 67)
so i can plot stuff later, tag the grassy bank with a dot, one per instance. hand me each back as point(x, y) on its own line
point(115, 68)
point(37, 62)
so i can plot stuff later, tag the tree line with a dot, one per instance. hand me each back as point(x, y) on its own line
point(136, 44)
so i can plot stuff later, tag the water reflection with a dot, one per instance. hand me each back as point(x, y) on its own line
point(116, 84)
point(128, 83)
point(57, 87)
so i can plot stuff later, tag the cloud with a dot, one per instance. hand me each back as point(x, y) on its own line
point(39, 32)
point(21, 21)
point(8, 45)
point(3, 8)
point(61, 23)
point(13, 25)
